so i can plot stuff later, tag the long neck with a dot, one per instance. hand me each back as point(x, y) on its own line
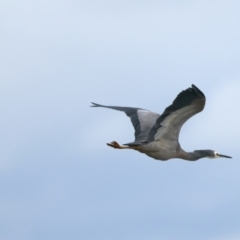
point(193, 156)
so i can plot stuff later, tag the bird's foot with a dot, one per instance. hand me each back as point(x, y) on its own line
point(114, 145)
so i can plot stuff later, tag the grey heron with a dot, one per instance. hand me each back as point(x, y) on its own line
point(157, 135)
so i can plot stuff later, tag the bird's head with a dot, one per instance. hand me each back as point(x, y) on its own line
point(218, 155)
point(210, 154)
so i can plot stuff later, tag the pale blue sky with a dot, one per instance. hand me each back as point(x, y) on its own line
point(58, 179)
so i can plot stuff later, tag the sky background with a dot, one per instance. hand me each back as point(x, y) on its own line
point(58, 179)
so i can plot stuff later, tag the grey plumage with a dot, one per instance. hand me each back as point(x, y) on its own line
point(142, 120)
point(157, 135)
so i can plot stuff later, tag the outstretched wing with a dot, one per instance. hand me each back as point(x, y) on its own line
point(142, 120)
point(188, 103)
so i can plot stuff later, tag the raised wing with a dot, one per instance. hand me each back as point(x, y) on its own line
point(142, 120)
point(188, 103)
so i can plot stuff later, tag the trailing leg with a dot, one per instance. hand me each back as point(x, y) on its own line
point(116, 145)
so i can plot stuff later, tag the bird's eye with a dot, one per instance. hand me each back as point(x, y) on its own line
point(216, 154)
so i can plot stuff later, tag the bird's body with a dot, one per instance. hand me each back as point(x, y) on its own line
point(157, 135)
point(160, 150)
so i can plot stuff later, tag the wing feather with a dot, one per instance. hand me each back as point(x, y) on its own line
point(188, 103)
point(142, 120)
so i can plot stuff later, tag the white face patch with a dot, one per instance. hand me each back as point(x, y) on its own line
point(216, 155)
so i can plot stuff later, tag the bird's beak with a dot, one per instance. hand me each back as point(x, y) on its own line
point(220, 155)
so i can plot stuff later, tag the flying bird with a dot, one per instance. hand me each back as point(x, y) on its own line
point(157, 135)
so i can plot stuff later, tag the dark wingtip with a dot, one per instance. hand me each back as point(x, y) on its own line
point(94, 104)
point(195, 87)
point(198, 91)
